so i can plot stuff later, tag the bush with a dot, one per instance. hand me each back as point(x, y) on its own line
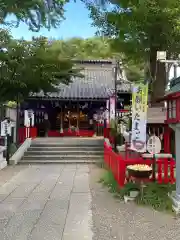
point(154, 195)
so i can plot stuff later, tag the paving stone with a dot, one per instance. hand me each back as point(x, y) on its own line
point(32, 205)
point(81, 182)
point(46, 232)
point(3, 223)
point(52, 221)
point(54, 216)
point(23, 190)
point(45, 186)
point(20, 226)
point(61, 192)
point(2, 197)
point(8, 188)
point(9, 172)
point(9, 207)
point(78, 222)
point(38, 196)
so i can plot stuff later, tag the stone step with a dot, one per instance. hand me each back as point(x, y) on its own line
point(37, 161)
point(44, 139)
point(67, 152)
point(67, 141)
point(85, 144)
point(62, 157)
point(66, 148)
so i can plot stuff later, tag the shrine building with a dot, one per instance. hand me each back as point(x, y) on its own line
point(74, 106)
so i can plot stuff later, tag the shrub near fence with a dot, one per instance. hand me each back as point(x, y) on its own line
point(118, 163)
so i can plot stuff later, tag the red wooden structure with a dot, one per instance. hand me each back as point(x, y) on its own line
point(80, 133)
point(33, 133)
point(118, 163)
point(22, 133)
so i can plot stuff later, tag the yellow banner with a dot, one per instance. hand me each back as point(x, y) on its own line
point(139, 117)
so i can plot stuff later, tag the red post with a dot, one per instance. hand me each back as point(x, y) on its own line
point(167, 139)
point(121, 172)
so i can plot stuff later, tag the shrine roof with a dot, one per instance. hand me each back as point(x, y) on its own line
point(97, 83)
point(173, 92)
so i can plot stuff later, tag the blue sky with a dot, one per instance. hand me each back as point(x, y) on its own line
point(77, 24)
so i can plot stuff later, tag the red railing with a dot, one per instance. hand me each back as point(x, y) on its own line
point(117, 163)
point(24, 133)
point(107, 134)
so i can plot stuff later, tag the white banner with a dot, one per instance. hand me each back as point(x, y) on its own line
point(139, 117)
point(112, 108)
point(28, 118)
point(5, 128)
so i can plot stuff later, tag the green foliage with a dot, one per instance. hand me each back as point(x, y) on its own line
point(11, 104)
point(96, 48)
point(139, 29)
point(109, 181)
point(31, 67)
point(154, 195)
point(83, 49)
point(35, 13)
point(136, 25)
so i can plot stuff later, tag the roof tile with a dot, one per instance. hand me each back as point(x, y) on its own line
point(96, 83)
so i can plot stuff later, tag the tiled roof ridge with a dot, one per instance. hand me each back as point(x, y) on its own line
point(95, 61)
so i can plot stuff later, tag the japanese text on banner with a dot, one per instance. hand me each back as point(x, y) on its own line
point(139, 117)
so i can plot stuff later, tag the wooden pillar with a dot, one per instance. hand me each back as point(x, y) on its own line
point(77, 127)
point(61, 124)
point(178, 108)
point(167, 139)
point(109, 114)
point(69, 118)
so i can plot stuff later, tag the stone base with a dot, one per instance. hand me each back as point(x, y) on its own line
point(131, 197)
point(3, 164)
point(176, 203)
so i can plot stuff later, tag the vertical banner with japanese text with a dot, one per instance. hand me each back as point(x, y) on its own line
point(139, 117)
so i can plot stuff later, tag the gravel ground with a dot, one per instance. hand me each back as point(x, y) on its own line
point(113, 219)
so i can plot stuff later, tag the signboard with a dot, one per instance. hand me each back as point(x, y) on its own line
point(154, 145)
point(28, 118)
point(112, 108)
point(161, 55)
point(139, 117)
point(5, 128)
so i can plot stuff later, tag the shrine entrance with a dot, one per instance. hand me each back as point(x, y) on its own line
point(66, 117)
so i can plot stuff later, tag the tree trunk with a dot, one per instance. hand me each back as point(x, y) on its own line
point(158, 78)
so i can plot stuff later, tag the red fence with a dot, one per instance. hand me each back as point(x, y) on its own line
point(118, 165)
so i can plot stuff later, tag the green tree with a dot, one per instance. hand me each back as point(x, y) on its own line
point(81, 49)
point(35, 13)
point(96, 48)
point(140, 29)
point(32, 67)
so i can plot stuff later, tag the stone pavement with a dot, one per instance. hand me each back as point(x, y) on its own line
point(65, 202)
point(46, 202)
